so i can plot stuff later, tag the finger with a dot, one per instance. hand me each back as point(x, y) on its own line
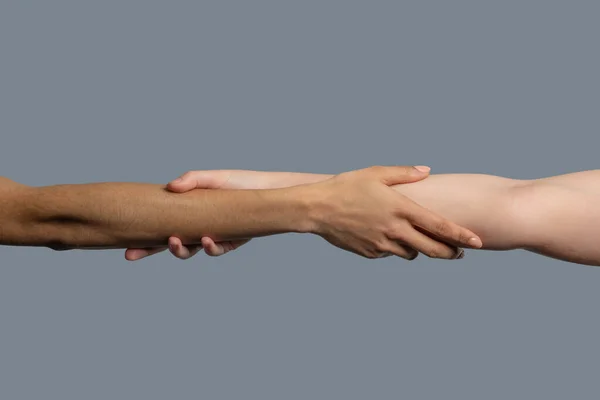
point(431, 247)
point(198, 180)
point(400, 250)
point(211, 248)
point(443, 229)
point(185, 252)
point(180, 251)
point(395, 175)
point(138, 254)
point(215, 249)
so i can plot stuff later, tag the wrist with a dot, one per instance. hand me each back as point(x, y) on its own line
point(310, 203)
point(301, 205)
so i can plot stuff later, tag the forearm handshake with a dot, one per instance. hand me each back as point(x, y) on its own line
point(356, 211)
point(373, 212)
point(555, 216)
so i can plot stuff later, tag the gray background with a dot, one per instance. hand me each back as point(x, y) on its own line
point(143, 91)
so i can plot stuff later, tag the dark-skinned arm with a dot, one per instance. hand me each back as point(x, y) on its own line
point(121, 215)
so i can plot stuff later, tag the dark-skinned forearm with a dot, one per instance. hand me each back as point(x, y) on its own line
point(121, 215)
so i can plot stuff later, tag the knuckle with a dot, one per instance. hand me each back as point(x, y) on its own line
point(397, 231)
point(382, 245)
point(406, 212)
point(397, 210)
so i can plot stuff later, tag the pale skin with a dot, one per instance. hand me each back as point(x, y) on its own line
point(356, 211)
point(556, 216)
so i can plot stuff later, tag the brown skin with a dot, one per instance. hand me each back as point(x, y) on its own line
point(121, 215)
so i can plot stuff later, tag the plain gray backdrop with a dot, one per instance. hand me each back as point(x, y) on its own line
point(146, 90)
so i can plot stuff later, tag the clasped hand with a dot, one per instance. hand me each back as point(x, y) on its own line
point(356, 211)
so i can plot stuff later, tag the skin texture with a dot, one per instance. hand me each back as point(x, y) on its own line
point(118, 215)
point(121, 215)
point(556, 216)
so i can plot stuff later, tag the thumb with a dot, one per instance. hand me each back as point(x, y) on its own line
point(394, 175)
point(196, 180)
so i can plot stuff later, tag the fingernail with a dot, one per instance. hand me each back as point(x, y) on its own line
point(422, 168)
point(475, 242)
point(171, 247)
point(177, 180)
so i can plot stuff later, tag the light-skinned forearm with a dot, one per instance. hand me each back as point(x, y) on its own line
point(121, 215)
point(273, 180)
point(558, 216)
